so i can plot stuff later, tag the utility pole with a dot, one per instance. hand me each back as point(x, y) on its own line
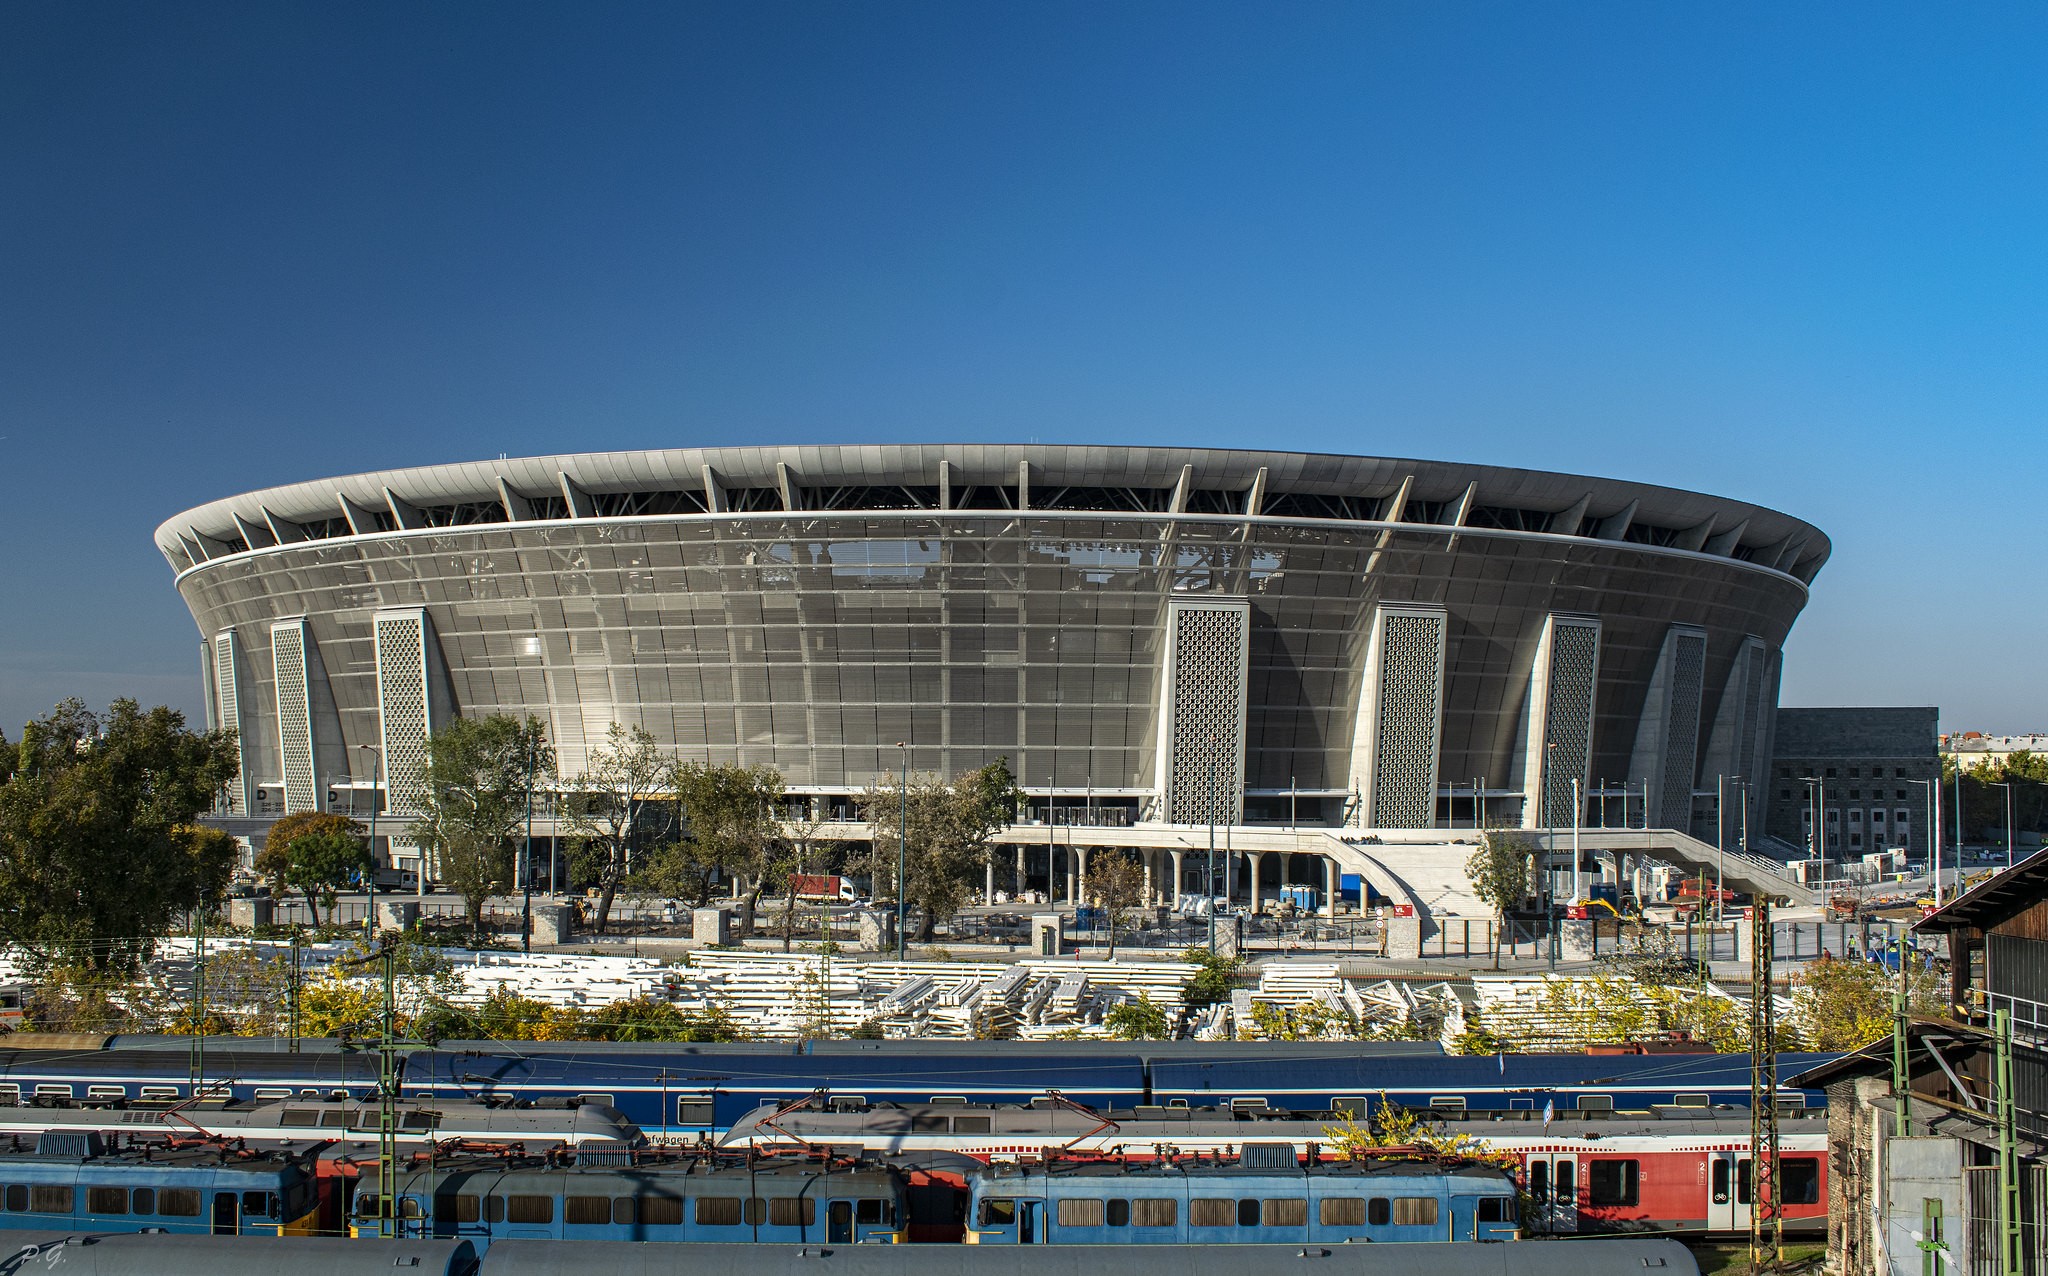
point(1766, 1219)
point(292, 999)
point(1209, 880)
point(526, 857)
point(2009, 1257)
point(199, 1004)
point(376, 760)
point(1549, 849)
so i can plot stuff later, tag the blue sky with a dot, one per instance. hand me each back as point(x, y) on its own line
point(1788, 253)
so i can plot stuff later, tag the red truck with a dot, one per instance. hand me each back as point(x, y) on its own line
point(825, 886)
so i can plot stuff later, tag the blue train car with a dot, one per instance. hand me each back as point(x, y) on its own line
point(628, 1197)
point(1264, 1196)
point(73, 1181)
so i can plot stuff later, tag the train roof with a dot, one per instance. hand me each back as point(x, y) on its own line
point(156, 1254)
point(1000, 1173)
point(1604, 1257)
point(693, 1176)
point(1330, 1073)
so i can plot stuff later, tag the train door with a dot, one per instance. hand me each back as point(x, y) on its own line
point(227, 1213)
point(1727, 1192)
point(1554, 1192)
point(839, 1223)
point(1030, 1222)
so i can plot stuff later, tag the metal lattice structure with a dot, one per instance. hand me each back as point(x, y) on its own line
point(294, 716)
point(1205, 710)
point(1766, 1212)
point(1408, 718)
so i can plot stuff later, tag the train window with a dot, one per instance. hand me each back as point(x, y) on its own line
point(299, 1117)
point(998, 1212)
point(1566, 1192)
point(588, 1210)
point(1286, 1211)
point(17, 1197)
point(106, 1200)
point(1118, 1213)
point(1341, 1211)
point(718, 1211)
point(45, 1198)
point(1613, 1182)
point(408, 1206)
point(693, 1109)
point(1447, 1102)
point(529, 1209)
point(878, 1209)
point(1693, 1100)
point(1080, 1213)
point(455, 1209)
point(1742, 1181)
point(494, 1209)
point(1596, 1103)
point(177, 1202)
point(335, 1119)
point(1539, 1179)
point(1209, 1211)
point(264, 1093)
point(1248, 1212)
point(422, 1120)
point(1799, 1180)
point(661, 1211)
point(928, 1121)
point(1378, 1212)
point(258, 1204)
point(1414, 1211)
point(145, 1200)
point(970, 1125)
point(1154, 1211)
point(792, 1211)
point(159, 1092)
point(757, 1211)
point(1496, 1209)
point(623, 1210)
point(1350, 1104)
point(10, 1095)
point(955, 1100)
point(601, 1100)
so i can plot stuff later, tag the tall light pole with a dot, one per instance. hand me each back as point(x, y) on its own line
point(1549, 856)
point(902, 845)
point(1209, 881)
point(1996, 784)
point(525, 860)
point(1820, 823)
point(1933, 788)
point(376, 758)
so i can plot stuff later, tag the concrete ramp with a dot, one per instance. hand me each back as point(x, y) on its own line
point(1430, 876)
point(1749, 874)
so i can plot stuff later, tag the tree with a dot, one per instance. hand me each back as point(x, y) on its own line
point(730, 820)
point(98, 846)
point(621, 802)
point(315, 852)
point(1116, 885)
point(1845, 1005)
point(947, 832)
point(1213, 981)
point(481, 776)
point(1140, 1020)
point(1499, 873)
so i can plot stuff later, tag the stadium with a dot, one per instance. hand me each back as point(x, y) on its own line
point(1342, 651)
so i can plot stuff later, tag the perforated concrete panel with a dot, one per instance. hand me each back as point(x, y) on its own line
point(1202, 709)
point(404, 707)
point(1400, 719)
point(1562, 688)
point(288, 657)
point(1668, 732)
point(227, 699)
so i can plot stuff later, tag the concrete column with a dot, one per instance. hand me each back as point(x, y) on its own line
point(1018, 890)
point(1073, 886)
point(1174, 890)
point(1252, 885)
point(1145, 857)
point(1081, 873)
point(1329, 887)
point(988, 894)
point(1404, 938)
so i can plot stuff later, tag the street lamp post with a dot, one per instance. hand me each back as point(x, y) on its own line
point(1933, 788)
point(525, 861)
point(1820, 824)
point(1996, 784)
point(902, 843)
point(1549, 856)
point(1209, 880)
point(376, 759)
